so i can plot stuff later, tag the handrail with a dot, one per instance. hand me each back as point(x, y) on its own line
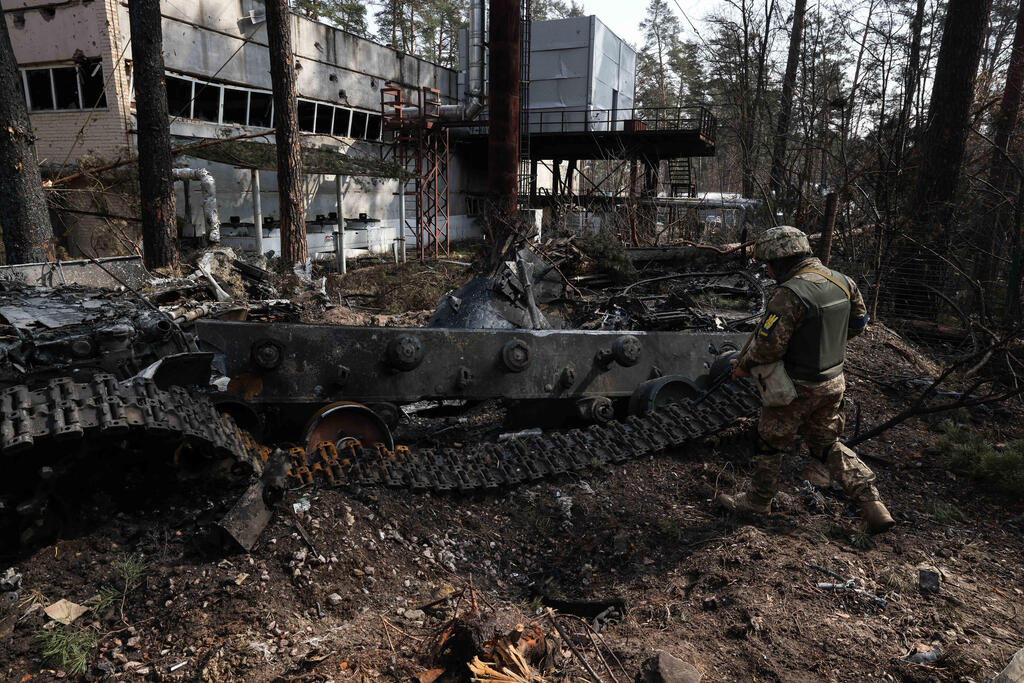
point(639, 119)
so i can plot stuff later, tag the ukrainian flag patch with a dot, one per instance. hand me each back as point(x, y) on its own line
point(768, 325)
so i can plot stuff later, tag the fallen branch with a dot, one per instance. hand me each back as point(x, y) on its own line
point(572, 647)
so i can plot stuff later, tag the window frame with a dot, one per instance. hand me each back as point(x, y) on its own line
point(317, 104)
point(49, 68)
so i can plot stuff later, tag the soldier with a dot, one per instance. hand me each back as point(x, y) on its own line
point(811, 315)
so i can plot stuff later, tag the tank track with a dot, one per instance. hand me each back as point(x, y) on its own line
point(495, 465)
point(66, 410)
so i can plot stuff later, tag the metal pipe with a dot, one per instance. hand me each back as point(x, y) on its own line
point(208, 186)
point(339, 244)
point(401, 207)
point(257, 208)
point(474, 102)
point(187, 191)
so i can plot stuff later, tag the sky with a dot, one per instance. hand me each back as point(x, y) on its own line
point(623, 17)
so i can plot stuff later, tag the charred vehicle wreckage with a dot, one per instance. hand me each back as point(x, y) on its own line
point(112, 381)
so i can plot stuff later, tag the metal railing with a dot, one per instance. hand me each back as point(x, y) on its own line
point(698, 119)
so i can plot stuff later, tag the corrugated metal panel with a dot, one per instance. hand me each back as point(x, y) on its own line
point(577, 65)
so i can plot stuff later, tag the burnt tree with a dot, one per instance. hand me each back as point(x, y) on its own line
point(786, 106)
point(28, 235)
point(1003, 177)
point(289, 153)
point(930, 208)
point(156, 186)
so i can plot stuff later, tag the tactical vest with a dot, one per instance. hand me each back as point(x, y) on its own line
point(817, 348)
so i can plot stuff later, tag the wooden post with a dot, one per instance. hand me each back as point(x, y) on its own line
point(289, 155)
point(257, 208)
point(156, 186)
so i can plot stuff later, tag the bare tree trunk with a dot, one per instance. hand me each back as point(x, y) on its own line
point(930, 210)
point(289, 154)
point(1001, 176)
point(156, 186)
point(786, 108)
point(28, 235)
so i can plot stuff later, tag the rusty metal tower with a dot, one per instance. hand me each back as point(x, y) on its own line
point(421, 148)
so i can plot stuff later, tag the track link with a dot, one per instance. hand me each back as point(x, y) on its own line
point(492, 465)
point(66, 410)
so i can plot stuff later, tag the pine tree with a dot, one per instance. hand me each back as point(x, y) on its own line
point(657, 83)
point(542, 10)
point(348, 16)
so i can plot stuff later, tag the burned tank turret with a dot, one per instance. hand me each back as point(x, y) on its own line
point(78, 332)
point(88, 372)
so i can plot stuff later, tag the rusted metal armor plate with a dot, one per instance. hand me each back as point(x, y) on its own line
point(282, 363)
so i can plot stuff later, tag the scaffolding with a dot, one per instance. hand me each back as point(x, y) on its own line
point(420, 146)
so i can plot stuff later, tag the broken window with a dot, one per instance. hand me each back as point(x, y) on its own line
point(261, 105)
point(40, 93)
point(91, 82)
point(65, 87)
point(206, 104)
point(341, 119)
point(307, 115)
point(236, 105)
point(373, 127)
point(324, 118)
point(359, 124)
point(179, 97)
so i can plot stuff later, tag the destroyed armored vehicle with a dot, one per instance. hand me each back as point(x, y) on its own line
point(92, 381)
point(85, 371)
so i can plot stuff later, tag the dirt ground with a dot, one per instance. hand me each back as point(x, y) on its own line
point(737, 600)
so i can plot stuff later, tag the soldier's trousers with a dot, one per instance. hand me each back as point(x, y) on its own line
point(816, 415)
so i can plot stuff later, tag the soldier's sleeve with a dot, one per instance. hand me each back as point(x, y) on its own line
point(771, 338)
point(858, 311)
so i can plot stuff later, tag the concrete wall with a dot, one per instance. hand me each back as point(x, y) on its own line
point(216, 37)
point(49, 34)
point(216, 40)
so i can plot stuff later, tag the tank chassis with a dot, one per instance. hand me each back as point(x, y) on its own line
point(593, 376)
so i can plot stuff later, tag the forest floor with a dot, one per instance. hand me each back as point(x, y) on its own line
point(384, 572)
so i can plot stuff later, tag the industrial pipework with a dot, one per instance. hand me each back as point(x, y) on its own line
point(474, 102)
point(208, 186)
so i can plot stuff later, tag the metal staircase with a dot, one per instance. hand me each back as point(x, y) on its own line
point(680, 178)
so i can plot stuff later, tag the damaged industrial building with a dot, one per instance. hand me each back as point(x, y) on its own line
point(333, 355)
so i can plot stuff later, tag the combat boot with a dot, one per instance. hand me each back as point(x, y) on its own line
point(876, 516)
point(741, 502)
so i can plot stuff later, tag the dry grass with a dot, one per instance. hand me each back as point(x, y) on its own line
point(391, 288)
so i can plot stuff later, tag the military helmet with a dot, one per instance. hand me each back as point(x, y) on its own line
point(781, 242)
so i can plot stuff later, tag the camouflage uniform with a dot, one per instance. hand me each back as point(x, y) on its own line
point(816, 413)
